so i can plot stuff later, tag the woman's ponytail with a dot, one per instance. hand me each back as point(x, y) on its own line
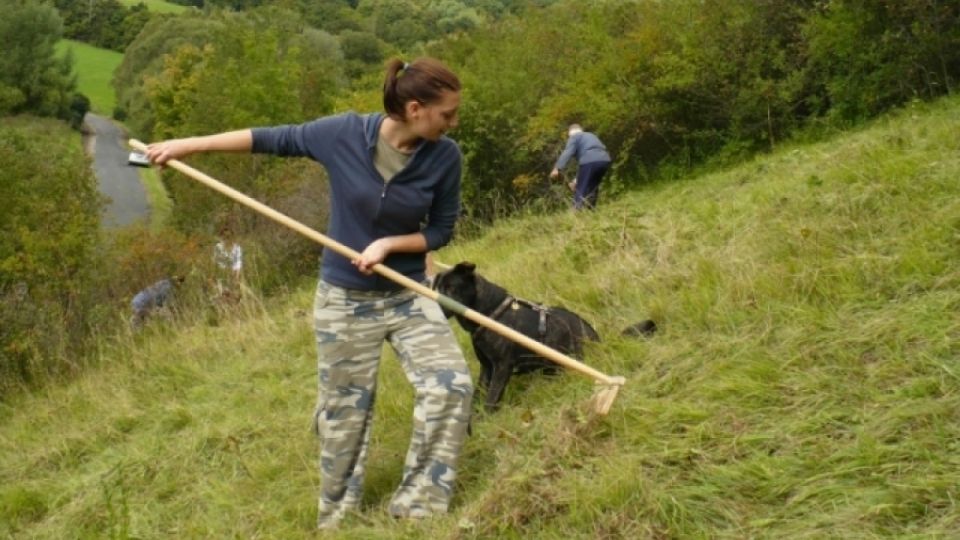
point(422, 80)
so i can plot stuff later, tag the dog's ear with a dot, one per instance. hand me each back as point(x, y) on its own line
point(466, 266)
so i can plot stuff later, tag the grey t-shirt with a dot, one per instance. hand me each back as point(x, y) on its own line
point(388, 160)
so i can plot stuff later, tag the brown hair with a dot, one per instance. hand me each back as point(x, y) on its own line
point(423, 80)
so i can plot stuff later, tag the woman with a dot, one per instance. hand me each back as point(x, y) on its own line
point(395, 194)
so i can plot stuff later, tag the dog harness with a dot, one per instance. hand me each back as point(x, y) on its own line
point(508, 301)
point(515, 303)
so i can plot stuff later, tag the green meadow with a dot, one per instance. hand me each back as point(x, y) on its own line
point(157, 6)
point(804, 382)
point(94, 67)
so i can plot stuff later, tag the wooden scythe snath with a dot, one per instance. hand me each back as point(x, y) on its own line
point(608, 386)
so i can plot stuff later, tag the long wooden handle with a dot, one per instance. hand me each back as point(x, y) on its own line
point(388, 272)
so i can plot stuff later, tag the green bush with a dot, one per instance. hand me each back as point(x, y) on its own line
point(869, 56)
point(32, 79)
point(49, 223)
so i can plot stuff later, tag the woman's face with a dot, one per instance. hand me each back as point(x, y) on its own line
point(431, 121)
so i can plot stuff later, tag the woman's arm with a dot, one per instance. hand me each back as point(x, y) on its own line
point(378, 250)
point(445, 209)
point(230, 141)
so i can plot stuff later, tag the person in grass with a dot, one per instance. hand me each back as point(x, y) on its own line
point(154, 297)
point(593, 161)
point(228, 256)
point(395, 195)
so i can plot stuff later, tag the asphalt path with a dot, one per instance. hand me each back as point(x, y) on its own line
point(119, 182)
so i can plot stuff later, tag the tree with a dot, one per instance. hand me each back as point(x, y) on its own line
point(334, 16)
point(145, 58)
point(449, 16)
point(361, 51)
point(32, 78)
point(401, 23)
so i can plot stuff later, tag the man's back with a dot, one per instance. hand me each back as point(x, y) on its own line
point(153, 296)
point(585, 147)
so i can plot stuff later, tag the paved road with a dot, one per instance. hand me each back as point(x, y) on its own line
point(118, 181)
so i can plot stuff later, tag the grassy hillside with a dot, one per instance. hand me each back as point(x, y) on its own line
point(804, 383)
point(94, 67)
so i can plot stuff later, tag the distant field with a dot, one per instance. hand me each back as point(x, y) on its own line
point(157, 6)
point(94, 68)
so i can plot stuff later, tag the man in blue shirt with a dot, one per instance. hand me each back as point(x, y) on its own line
point(155, 296)
point(593, 162)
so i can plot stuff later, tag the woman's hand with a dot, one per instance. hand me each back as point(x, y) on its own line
point(374, 254)
point(161, 152)
point(228, 141)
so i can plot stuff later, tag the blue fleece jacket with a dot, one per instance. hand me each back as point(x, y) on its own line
point(423, 197)
point(586, 147)
point(153, 296)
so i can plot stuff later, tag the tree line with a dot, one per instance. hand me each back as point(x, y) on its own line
point(667, 85)
point(673, 85)
point(102, 23)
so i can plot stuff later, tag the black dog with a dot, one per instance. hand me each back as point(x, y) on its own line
point(499, 357)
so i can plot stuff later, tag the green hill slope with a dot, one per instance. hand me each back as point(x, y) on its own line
point(804, 383)
point(94, 68)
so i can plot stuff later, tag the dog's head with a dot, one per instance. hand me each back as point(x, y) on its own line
point(458, 283)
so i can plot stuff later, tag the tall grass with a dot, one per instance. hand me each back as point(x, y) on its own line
point(804, 383)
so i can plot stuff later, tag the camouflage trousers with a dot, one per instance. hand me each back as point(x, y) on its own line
point(351, 327)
